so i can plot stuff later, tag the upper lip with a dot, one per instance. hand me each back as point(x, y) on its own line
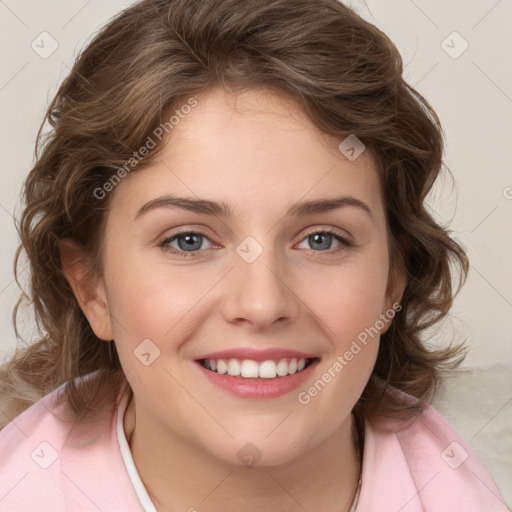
point(257, 354)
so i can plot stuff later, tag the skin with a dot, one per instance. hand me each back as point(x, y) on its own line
point(257, 152)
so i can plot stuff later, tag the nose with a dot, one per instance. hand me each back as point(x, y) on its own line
point(260, 292)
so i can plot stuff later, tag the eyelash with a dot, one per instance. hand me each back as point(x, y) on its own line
point(345, 244)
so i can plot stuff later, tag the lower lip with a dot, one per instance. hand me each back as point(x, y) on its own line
point(259, 388)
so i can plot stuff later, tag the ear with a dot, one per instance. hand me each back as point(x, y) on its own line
point(394, 292)
point(93, 302)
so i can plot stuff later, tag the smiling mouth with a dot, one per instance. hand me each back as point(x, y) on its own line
point(250, 369)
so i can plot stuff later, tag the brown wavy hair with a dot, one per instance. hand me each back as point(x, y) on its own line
point(345, 75)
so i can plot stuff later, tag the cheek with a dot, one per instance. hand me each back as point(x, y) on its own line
point(161, 302)
point(350, 308)
point(351, 298)
point(152, 302)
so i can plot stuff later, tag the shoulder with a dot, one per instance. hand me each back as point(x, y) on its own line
point(424, 465)
point(51, 461)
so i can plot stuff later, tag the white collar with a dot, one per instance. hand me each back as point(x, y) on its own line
point(126, 454)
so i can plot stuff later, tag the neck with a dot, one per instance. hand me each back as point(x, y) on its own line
point(180, 475)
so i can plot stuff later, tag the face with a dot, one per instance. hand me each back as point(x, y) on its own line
point(268, 280)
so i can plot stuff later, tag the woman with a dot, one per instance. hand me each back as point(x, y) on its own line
point(232, 266)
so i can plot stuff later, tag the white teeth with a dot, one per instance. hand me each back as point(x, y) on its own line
point(282, 368)
point(233, 367)
point(248, 368)
point(267, 370)
point(222, 367)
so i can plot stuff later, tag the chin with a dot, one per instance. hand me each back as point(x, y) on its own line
point(256, 451)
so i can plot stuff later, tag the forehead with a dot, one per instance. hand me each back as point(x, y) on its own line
point(255, 149)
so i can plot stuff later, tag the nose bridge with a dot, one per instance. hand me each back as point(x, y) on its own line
point(258, 291)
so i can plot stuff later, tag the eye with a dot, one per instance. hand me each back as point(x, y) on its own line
point(321, 240)
point(188, 242)
point(191, 242)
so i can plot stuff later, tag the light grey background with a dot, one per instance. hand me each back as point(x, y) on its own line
point(471, 91)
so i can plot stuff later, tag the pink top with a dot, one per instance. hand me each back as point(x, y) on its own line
point(45, 464)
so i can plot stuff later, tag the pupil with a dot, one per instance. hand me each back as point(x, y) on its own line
point(190, 242)
point(322, 236)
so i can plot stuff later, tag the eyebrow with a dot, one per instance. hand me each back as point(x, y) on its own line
point(222, 209)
